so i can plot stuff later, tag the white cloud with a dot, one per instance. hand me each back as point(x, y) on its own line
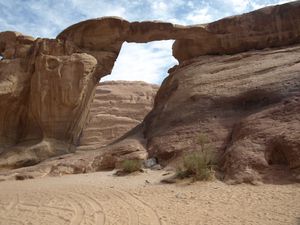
point(95, 9)
point(258, 5)
point(190, 4)
point(241, 6)
point(199, 16)
point(146, 62)
point(163, 9)
point(238, 5)
point(160, 7)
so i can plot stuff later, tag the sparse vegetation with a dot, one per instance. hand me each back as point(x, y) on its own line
point(199, 163)
point(131, 165)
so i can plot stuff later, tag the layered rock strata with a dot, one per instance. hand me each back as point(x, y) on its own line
point(118, 106)
point(240, 100)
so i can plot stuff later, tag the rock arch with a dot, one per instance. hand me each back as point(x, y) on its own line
point(260, 29)
point(47, 85)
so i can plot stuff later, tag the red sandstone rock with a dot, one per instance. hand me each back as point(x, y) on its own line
point(213, 94)
point(245, 102)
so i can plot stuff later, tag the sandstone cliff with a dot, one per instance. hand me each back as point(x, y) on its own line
point(45, 93)
point(237, 81)
point(118, 106)
point(248, 105)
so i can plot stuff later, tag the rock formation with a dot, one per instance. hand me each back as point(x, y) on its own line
point(118, 106)
point(243, 103)
point(268, 27)
point(45, 93)
point(265, 145)
point(229, 85)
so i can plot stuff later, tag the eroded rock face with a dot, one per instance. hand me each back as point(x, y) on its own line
point(45, 93)
point(239, 102)
point(61, 88)
point(268, 27)
point(14, 86)
point(118, 106)
point(266, 144)
point(14, 94)
point(14, 44)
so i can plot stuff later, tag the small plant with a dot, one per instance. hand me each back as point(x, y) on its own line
point(198, 164)
point(131, 165)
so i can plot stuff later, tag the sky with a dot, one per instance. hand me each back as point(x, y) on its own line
point(147, 62)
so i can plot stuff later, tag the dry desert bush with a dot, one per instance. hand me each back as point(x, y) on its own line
point(131, 165)
point(199, 163)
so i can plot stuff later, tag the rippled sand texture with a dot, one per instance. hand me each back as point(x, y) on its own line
point(101, 198)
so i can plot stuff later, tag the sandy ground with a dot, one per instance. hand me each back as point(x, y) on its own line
point(100, 198)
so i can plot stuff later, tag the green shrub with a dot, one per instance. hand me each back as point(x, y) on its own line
point(198, 164)
point(131, 165)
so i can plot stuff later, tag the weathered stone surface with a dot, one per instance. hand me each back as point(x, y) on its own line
point(264, 28)
point(61, 88)
point(212, 94)
point(44, 97)
point(14, 86)
point(14, 89)
point(118, 106)
point(265, 145)
point(131, 146)
point(14, 44)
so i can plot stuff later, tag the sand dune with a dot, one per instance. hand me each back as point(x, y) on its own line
point(100, 198)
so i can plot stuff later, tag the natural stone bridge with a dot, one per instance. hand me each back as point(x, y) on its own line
point(47, 85)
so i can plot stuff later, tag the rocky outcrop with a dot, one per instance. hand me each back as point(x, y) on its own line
point(222, 87)
point(118, 106)
point(241, 102)
point(45, 93)
point(266, 144)
point(14, 45)
point(14, 85)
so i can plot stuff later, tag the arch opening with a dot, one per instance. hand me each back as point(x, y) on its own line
point(124, 98)
point(148, 62)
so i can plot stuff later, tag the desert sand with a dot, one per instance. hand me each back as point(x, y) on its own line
point(101, 198)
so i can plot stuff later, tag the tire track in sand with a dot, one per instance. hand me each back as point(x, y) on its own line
point(146, 211)
point(138, 212)
point(117, 206)
point(86, 207)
